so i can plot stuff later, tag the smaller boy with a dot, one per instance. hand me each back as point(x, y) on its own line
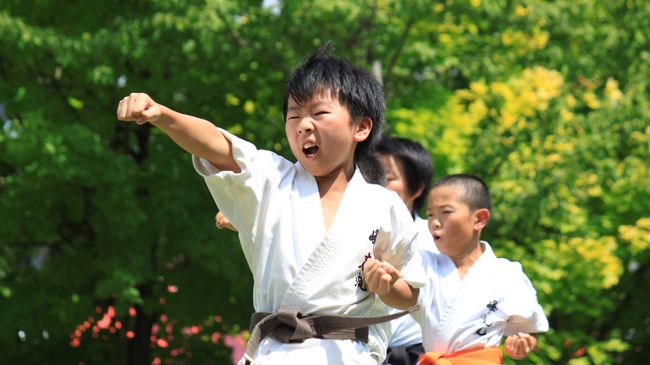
point(472, 298)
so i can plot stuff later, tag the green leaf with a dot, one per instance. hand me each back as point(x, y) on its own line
point(75, 103)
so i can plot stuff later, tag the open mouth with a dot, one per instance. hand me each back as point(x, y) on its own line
point(310, 149)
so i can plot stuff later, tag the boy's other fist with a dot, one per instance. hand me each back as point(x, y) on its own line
point(520, 345)
point(379, 276)
point(221, 222)
point(139, 108)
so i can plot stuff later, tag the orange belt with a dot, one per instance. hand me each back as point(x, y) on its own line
point(483, 356)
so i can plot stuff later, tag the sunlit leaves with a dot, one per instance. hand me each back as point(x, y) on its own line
point(637, 235)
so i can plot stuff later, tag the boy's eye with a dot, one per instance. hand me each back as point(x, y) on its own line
point(320, 113)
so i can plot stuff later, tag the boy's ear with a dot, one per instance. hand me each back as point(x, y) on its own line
point(419, 192)
point(363, 128)
point(481, 217)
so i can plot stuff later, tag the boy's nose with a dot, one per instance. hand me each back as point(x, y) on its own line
point(305, 125)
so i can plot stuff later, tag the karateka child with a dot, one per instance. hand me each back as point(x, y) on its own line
point(472, 298)
point(408, 168)
point(307, 228)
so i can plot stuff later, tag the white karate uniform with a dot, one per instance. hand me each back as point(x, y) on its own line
point(495, 298)
point(297, 264)
point(405, 331)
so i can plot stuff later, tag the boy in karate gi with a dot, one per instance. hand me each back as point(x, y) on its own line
point(308, 228)
point(472, 298)
point(409, 169)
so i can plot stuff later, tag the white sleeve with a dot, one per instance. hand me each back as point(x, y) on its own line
point(525, 313)
point(413, 271)
point(425, 299)
point(403, 253)
point(240, 195)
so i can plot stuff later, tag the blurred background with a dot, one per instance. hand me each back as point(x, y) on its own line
point(108, 250)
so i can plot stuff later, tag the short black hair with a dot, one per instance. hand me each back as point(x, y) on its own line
point(475, 192)
point(372, 169)
point(354, 87)
point(415, 162)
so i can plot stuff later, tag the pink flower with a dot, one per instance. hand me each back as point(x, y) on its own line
point(238, 346)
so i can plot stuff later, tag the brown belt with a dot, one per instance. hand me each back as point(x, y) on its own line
point(290, 326)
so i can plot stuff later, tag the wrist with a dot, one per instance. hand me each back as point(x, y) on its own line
point(164, 116)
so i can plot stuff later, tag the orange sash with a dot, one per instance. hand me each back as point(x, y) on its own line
point(483, 356)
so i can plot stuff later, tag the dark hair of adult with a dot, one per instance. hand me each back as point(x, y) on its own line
point(415, 162)
point(475, 192)
point(354, 87)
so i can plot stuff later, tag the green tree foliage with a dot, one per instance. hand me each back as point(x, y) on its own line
point(109, 253)
point(551, 108)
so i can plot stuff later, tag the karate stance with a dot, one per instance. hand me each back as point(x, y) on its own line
point(472, 298)
point(319, 240)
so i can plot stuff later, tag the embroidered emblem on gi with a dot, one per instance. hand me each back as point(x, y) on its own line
point(373, 236)
point(358, 281)
point(492, 307)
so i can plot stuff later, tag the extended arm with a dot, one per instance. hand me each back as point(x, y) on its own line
point(197, 136)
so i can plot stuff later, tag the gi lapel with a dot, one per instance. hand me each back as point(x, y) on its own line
point(324, 254)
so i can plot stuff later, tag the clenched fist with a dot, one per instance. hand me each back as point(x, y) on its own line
point(520, 345)
point(379, 276)
point(221, 222)
point(139, 108)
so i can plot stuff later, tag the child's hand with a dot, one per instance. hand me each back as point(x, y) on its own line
point(221, 222)
point(379, 276)
point(139, 108)
point(520, 345)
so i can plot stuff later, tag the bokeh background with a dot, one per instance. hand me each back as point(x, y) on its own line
point(108, 250)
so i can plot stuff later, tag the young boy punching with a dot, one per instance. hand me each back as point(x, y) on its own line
point(319, 240)
point(472, 298)
point(409, 169)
